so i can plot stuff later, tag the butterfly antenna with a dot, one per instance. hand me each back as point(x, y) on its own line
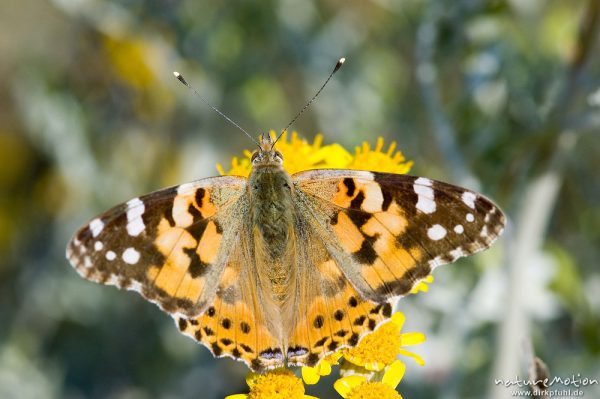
point(186, 84)
point(338, 65)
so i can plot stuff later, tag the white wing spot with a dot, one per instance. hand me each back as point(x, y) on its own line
point(135, 210)
point(110, 255)
point(459, 229)
point(469, 199)
point(185, 188)
point(470, 217)
point(426, 201)
point(87, 262)
point(98, 245)
point(96, 227)
point(436, 232)
point(131, 256)
point(484, 232)
point(457, 253)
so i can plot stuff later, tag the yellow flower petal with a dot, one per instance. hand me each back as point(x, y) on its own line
point(237, 396)
point(393, 375)
point(345, 385)
point(412, 355)
point(310, 375)
point(398, 319)
point(423, 285)
point(412, 338)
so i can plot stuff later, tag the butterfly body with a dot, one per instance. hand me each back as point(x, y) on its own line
point(278, 269)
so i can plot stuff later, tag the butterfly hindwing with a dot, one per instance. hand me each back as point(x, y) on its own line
point(238, 324)
point(164, 245)
point(330, 314)
point(388, 231)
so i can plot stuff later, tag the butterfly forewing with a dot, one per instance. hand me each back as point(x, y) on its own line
point(165, 245)
point(388, 231)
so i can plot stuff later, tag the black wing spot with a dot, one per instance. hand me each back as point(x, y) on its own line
point(182, 324)
point(350, 186)
point(216, 349)
point(245, 327)
point(372, 324)
point(338, 315)
point(366, 254)
point(387, 310)
point(318, 322)
point(357, 201)
point(321, 342)
point(312, 359)
point(353, 302)
point(246, 348)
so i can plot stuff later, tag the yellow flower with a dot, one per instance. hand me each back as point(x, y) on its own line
point(299, 154)
point(382, 346)
point(359, 387)
point(423, 285)
point(130, 60)
point(275, 384)
point(311, 375)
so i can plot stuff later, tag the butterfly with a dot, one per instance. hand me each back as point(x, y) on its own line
point(278, 270)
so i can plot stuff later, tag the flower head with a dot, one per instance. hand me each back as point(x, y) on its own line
point(299, 155)
point(381, 347)
point(359, 387)
point(275, 384)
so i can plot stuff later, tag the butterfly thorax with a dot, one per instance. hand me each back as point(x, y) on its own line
point(272, 215)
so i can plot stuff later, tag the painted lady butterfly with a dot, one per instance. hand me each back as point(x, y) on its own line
point(280, 270)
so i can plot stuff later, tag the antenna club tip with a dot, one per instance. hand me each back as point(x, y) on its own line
point(339, 64)
point(180, 78)
point(342, 60)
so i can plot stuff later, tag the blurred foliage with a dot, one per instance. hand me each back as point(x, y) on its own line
point(489, 94)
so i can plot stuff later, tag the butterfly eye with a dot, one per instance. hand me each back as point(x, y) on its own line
point(279, 155)
point(254, 156)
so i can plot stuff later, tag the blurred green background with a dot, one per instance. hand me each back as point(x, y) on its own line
point(499, 96)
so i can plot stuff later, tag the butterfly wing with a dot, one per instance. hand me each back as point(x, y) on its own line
point(169, 245)
point(386, 232)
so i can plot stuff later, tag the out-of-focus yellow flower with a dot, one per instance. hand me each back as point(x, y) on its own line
point(274, 384)
point(299, 154)
point(311, 375)
point(130, 60)
point(381, 347)
point(423, 285)
point(135, 61)
point(359, 387)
